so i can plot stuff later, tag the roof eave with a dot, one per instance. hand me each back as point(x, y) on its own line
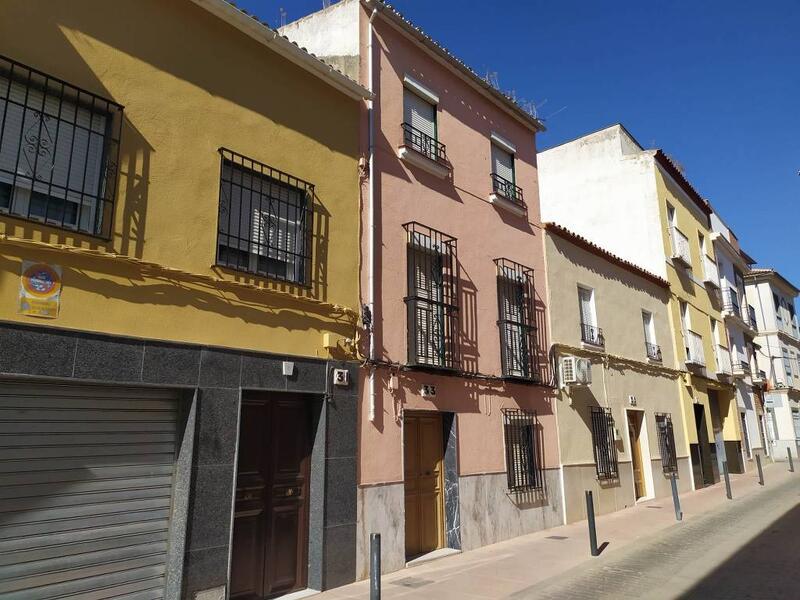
point(471, 77)
point(270, 38)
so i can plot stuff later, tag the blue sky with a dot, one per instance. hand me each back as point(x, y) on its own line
point(716, 84)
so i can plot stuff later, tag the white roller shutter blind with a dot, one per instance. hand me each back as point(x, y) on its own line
point(419, 113)
point(585, 301)
point(503, 163)
point(86, 483)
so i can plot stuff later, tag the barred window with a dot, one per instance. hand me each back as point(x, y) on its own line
point(264, 220)
point(666, 443)
point(605, 450)
point(523, 453)
point(59, 148)
point(515, 297)
point(432, 301)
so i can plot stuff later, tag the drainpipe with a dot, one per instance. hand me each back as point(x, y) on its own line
point(371, 202)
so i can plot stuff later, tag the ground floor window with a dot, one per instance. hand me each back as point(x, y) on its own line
point(605, 450)
point(666, 443)
point(523, 465)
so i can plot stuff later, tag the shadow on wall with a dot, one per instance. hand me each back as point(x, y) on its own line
point(468, 341)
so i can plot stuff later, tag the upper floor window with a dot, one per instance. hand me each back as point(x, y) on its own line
point(590, 332)
point(777, 301)
point(515, 297)
point(504, 179)
point(651, 347)
point(59, 148)
point(420, 130)
point(265, 219)
point(432, 301)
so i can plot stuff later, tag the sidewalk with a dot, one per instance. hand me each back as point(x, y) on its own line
point(512, 566)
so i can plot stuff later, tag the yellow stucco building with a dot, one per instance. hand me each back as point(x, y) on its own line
point(638, 204)
point(179, 268)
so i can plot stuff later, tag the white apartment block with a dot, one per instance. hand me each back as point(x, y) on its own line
point(778, 356)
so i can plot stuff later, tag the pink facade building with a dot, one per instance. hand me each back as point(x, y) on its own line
point(457, 442)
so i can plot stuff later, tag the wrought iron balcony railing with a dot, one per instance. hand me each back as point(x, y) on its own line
point(730, 302)
point(424, 144)
point(507, 189)
point(593, 335)
point(653, 351)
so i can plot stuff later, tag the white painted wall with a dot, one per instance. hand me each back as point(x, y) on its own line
point(602, 186)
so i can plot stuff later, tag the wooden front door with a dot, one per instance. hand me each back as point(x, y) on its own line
point(424, 483)
point(635, 434)
point(270, 528)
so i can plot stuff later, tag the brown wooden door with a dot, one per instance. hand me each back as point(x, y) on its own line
point(270, 528)
point(424, 453)
point(634, 434)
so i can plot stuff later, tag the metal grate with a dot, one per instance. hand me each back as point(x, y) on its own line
point(507, 189)
point(59, 150)
point(666, 443)
point(653, 351)
point(592, 335)
point(523, 450)
point(515, 298)
point(605, 450)
point(432, 301)
point(265, 219)
point(424, 144)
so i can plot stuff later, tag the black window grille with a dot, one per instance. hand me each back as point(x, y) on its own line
point(523, 450)
point(666, 443)
point(59, 150)
point(265, 219)
point(432, 301)
point(507, 189)
point(603, 441)
point(517, 324)
point(425, 144)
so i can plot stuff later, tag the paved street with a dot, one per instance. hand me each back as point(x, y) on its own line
point(745, 548)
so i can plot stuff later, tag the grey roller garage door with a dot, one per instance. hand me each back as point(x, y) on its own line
point(86, 479)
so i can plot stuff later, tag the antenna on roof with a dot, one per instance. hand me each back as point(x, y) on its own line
point(282, 13)
point(326, 4)
point(492, 80)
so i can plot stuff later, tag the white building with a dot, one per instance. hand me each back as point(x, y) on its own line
point(740, 322)
point(778, 355)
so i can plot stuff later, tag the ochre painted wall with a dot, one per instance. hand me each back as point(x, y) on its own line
point(190, 84)
point(687, 285)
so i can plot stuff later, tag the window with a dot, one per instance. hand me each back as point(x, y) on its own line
point(59, 148)
point(777, 301)
point(265, 219)
point(653, 350)
point(666, 443)
point(515, 297)
point(671, 216)
point(432, 302)
point(503, 175)
point(523, 464)
point(590, 332)
point(419, 127)
point(605, 449)
point(787, 367)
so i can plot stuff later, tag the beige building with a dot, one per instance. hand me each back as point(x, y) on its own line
point(618, 407)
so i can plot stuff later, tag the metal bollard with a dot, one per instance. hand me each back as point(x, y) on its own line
point(375, 566)
point(592, 530)
point(727, 480)
point(675, 499)
point(791, 462)
point(760, 470)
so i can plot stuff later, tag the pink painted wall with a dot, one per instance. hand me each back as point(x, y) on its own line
point(460, 208)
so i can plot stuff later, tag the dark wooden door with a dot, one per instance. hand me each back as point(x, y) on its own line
point(270, 528)
point(424, 483)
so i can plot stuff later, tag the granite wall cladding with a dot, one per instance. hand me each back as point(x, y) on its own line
point(217, 376)
point(490, 513)
point(381, 509)
point(452, 509)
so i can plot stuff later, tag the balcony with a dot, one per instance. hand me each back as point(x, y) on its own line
point(741, 366)
point(759, 377)
point(423, 151)
point(653, 351)
point(507, 195)
point(592, 335)
point(710, 272)
point(680, 247)
point(695, 355)
point(723, 358)
point(751, 318)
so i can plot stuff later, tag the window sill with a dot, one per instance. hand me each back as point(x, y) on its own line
point(412, 157)
point(655, 361)
point(506, 204)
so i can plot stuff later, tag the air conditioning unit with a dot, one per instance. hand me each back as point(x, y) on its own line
point(576, 371)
